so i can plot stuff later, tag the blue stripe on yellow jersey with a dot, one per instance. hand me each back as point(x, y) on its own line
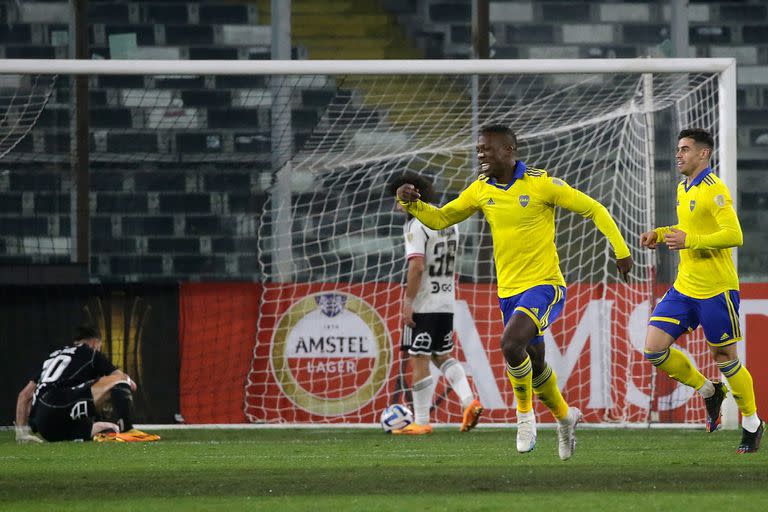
point(521, 215)
point(705, 212)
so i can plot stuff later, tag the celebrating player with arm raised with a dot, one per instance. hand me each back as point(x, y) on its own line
point(519, 206)
point(706, 290)
point(428, 308)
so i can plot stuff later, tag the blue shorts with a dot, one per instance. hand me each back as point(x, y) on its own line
point(542, 304)
point(719, 316)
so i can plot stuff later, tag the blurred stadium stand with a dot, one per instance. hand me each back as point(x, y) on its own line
point(178, 201)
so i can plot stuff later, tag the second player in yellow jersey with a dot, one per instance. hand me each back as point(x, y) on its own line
point(706, 291)
point(705, 213)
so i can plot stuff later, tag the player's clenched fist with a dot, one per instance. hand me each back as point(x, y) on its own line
point(649, 239)
point(408, 193)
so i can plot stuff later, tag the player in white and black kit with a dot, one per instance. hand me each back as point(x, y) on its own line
point(427, 312)
point(78, 395)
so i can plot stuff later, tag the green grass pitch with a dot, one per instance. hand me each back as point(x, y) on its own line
point(332, 469)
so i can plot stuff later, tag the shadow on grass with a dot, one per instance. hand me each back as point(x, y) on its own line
point(367, 480)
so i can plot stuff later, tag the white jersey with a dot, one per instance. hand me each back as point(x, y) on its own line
point(436, 292)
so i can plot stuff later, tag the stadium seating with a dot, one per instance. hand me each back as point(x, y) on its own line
point(182, 210)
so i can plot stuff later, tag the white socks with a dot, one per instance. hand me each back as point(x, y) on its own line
point(707, 390)
point(750, 423)
point(457, 378)
point(422, 399)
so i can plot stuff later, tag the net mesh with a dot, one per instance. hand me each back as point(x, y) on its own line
point(193, 179)
point(22, 101)
point(593, 131)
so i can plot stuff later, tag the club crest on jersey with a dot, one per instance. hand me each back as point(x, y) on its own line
point(720, 200)
point(330, 304)
point(79, 410)
point(524, 200)
point(693, 204)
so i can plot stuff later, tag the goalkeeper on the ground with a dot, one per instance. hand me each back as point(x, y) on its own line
point(78, 395)
point(519, 206)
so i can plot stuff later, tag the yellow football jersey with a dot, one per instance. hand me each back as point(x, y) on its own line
point(521, 215)
point(705, 212)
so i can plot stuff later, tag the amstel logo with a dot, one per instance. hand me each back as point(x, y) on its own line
point(331, 353)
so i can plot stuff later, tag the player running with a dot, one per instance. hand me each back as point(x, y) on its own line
point(428, 308)
point(519, 205)
point(78, 395)
point(706, 290)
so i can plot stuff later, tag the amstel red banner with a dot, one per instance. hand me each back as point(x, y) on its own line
point(329, 354)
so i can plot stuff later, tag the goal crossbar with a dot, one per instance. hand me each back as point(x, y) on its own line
point(362, 67)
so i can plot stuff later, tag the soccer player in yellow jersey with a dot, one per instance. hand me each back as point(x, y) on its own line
point(706, 290)
point(519, 205)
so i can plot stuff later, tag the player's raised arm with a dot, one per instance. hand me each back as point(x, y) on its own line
point(433, 217)
point(567, 197)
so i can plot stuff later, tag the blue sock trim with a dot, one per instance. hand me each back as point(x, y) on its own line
point(656, 358)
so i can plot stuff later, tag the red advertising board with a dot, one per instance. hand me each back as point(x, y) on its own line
point(328, 353)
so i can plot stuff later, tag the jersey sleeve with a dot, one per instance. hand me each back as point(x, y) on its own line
point(451, 213)
point(35, 366)
point(559, 193)
point(662, 231)
point(415, 240)
point(720, 205)
point(33, 372)
point(102, 365)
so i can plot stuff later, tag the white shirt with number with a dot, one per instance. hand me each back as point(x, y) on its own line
point(436, 292)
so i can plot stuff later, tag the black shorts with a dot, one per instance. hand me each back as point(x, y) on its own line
point(433, 334)
point(65, 414)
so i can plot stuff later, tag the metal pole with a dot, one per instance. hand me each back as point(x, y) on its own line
point(480, 29)
point(727, 145)
point(480, 50)
point(78, 49)
point(679, 29)
point(282, 145)
point(650, 207)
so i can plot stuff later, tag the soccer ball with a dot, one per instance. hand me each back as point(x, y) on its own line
point(395, 417)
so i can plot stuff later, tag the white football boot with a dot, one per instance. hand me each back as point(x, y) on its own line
point(526, 432)
point(566, 433)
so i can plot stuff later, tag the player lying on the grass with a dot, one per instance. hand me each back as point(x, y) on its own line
point(427, 311)
point(519, 205)
point(78, 395)
point(706, 290)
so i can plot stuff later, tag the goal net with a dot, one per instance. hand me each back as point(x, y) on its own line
point(331, 341)
point(270, 179)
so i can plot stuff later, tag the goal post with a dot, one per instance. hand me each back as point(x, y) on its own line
point(327, 240)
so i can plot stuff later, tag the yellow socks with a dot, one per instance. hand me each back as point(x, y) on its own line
point(740, 382)
point(545, 387)
point(522, 384)
point(678, 366)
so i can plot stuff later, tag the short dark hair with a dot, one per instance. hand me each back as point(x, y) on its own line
point(699, 135)
point(501, 129)
point(421, 182)
point(85, 332)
